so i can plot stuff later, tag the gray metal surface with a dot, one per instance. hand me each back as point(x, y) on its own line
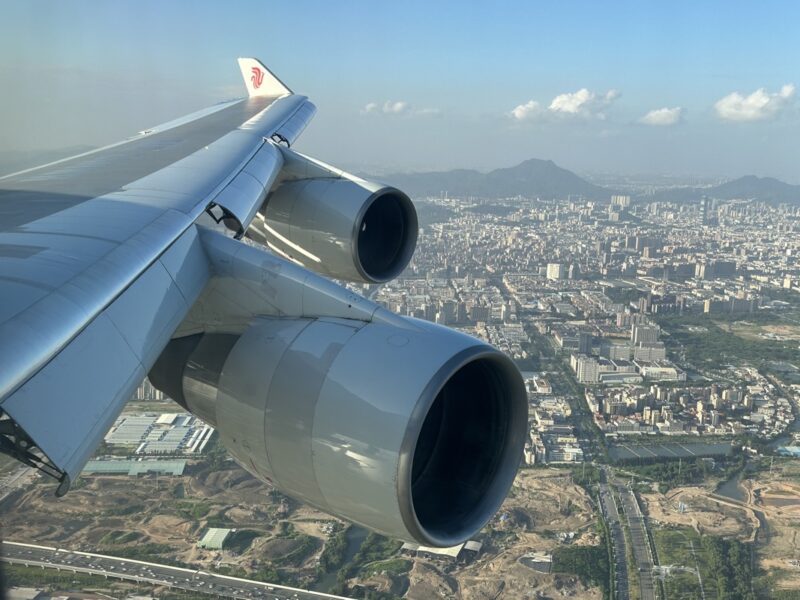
point(328, 403)
point(316, 216)
point(249, 281)
point(88, 303)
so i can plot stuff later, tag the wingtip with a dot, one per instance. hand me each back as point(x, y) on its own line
point(259, 80)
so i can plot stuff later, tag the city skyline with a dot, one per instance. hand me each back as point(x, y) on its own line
point(690, 90)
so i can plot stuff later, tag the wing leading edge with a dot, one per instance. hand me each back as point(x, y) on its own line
point(101, 262)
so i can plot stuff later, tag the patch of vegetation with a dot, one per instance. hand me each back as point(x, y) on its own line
point(725, 566)
point(332, 555)
point(220, 519)
point(121, 511)
point(179, 491)
point(670, 473)
point(393, 566)
point(307, 546)
point(239, 541)
point(586, 475)
point(374, 548)
point(151, 552)
point(193, 510)
point(766, 590)
point(731, 567)
point(216, 457)
point(119, 537)
point(715, 347)
point(430, 212)
point(589, 563)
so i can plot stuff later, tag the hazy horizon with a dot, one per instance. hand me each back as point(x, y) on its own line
point(685, 90)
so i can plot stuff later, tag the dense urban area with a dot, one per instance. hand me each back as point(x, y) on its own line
point(659, 339)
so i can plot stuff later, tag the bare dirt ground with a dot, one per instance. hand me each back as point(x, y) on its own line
point(774, 497)
point(700, 512)
point(753, 331)
point(166, 518)
point(163, 519)
point(542, 504)
point(778, 495)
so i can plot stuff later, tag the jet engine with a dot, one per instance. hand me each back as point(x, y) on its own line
point(407, 428)
point(337, 224)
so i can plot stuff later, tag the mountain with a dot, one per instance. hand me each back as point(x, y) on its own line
point(748, 187)
point(532, 178)
point(761, 188)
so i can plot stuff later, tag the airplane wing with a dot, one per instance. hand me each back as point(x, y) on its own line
point(100, 262)
point(193, 252)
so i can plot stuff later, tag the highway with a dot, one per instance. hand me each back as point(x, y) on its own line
point(19, 478)
point(641, 546)
point(151, 573)
point(610, 513)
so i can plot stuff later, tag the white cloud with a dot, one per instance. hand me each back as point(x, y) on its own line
point(529, 110)
point(757, 106)
point(398, 107)
point(663, 116)
point(583, 103)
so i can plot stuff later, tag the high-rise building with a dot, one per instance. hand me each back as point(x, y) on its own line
point(649, 351)
point(621, 201)
point(642, 333)
point(585, 342)
point(555, 271)
point(587, 369)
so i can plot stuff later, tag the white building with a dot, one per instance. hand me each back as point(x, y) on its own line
point(555, 271)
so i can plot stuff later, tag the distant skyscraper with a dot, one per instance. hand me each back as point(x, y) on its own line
point(585, 342)
point(646, 334)
point(555, 271)
point(621, 201)
point(707, 206)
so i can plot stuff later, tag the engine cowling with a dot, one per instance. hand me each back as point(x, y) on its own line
point(337, 224)
point(405, 427)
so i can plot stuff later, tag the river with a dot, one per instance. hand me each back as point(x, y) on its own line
point(732, 488)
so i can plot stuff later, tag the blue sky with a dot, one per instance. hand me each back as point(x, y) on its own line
point(428, 85)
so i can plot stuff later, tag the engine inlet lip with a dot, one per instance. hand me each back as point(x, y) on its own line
point(409, 240)
point(510, 457)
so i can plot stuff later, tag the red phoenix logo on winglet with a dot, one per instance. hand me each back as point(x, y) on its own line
point(257, 78)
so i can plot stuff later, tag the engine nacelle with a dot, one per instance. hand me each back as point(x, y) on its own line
point(337, 224)
point(405, 427)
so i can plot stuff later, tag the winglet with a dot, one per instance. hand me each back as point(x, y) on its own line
point(260, 81)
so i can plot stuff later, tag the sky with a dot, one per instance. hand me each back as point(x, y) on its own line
point(675, 88)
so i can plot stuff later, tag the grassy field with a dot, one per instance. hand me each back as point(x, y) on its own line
point(724, 566)
point(674, 547)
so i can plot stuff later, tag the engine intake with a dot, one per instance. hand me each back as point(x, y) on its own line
point(405, 427)
point(337, 224)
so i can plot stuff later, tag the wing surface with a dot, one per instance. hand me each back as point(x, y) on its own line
point(100, 262)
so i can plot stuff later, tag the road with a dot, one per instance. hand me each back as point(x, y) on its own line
point(152, 573)
point(610, 513)
point(15, 480)
point(639, 541)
